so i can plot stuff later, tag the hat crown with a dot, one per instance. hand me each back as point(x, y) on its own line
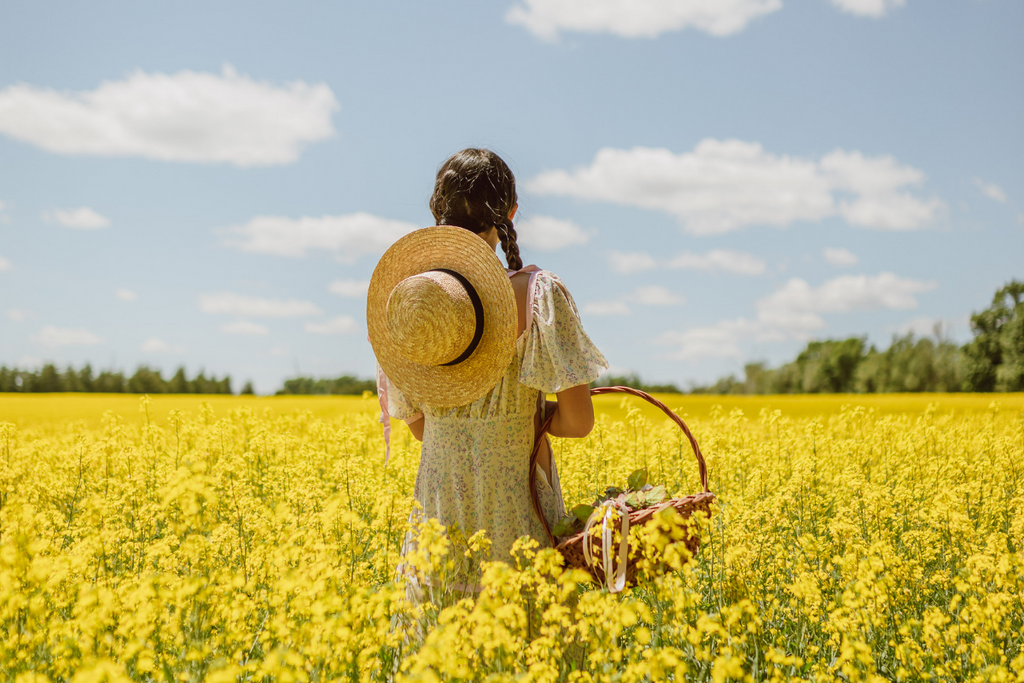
point(430, 318)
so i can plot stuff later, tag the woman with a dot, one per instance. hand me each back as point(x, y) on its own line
point(474, 467)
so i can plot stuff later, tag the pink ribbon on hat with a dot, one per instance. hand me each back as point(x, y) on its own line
point(385, 416)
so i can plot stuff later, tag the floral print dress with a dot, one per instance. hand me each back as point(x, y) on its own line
point(474, 465)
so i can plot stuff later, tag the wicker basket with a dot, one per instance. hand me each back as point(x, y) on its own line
point(602, 566)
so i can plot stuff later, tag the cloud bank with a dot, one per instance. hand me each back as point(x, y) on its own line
point(794, 311)
point(341, 325)
point(82, 218)
point(716, 260)
point(228, 303)
point(875, 9)
point(646, 295)
point(545, 233)
point(637, 18)
point(838, 256)
point(187, 117)
point(728, 185)
point(348, 237)
point(55, 337)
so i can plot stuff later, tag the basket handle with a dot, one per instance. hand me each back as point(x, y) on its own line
point(701, 464)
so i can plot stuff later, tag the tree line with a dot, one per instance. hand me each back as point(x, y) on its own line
point(344, 385)
point(992, 361)
point(146, 380)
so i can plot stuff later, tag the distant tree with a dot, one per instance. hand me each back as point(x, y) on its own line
point(633, 381)
point(109, 382)
point(147, 381)
point(49, 379)
point(85, 379)
point(829, 366)
point(994, 359)
point(179, 384)
point(344, 385)
point(1010, 373)
point(247, 389)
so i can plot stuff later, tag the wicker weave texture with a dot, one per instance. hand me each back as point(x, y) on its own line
point(572, 547)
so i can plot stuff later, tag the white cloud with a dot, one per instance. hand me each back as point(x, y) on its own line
point(921, 326)
point(868, 8)
point(279, 351)
point(715, 341)
point(18, 315)
point(26, 361)
point(647, 295)
point(877, 183)
point(614, 307)
point(125, 295)
point(187, 116)
point(348, 237)
point(637, 18)
point(341, 325)
point(545, 233)
point(722, 186)
point(157, 345)
point(990, 190)
point(245, 327)
point(738, 262)
point(794, 312)
point(55, 337)
point(838, 256)
point(656, 295)
point(82, 218)
point(228, 303)
point(5, 264)
point(926, 326)
point(349, 289)
point(631, 261)
point(795, 307)
point(4, 218)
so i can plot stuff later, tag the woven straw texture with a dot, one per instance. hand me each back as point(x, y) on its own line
point(450, 248)
point(572, 547)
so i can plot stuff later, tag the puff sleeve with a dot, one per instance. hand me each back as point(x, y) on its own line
point(395, 403)
point(557, 353)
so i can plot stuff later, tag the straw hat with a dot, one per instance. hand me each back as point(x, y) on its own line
point(441, 315)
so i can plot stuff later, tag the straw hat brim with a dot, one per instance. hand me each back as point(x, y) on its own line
point(459, 250)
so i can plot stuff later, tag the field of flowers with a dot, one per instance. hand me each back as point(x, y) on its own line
point(257, 540)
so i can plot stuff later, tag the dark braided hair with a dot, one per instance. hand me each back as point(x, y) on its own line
point(476, 190)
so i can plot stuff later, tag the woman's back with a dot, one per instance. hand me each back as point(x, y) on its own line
point(474, 467)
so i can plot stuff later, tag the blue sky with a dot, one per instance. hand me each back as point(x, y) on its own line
point(210, 184)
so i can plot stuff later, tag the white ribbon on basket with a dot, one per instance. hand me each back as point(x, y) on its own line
point(603, 511)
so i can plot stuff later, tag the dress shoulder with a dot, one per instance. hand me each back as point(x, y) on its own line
point(397, 404)
point(558, 354)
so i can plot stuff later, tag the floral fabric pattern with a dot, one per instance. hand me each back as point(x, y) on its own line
point(474, 464)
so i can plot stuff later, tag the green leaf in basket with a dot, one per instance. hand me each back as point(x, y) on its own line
point(611, 492)
point(635, 500)
point(567, 526)
point(637, 480)
point(583, 512)
point(655, 495)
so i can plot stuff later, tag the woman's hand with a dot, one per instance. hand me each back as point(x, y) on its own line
point(574, 413)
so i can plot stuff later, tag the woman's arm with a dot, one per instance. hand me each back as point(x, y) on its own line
point(417, 428)
point(574, 413)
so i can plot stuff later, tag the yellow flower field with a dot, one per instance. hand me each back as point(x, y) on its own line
point(855, 538)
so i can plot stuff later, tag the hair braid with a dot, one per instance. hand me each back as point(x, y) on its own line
point(507, 235)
